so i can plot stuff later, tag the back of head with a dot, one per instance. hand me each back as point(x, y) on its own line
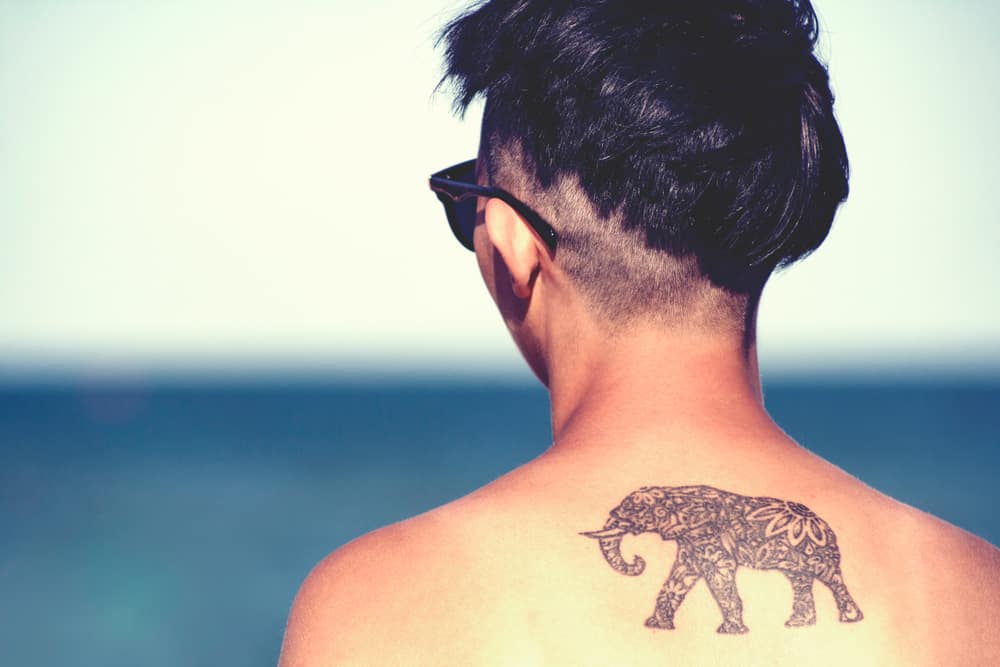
point(680, 148)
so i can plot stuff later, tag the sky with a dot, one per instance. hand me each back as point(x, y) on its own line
point(211, 185)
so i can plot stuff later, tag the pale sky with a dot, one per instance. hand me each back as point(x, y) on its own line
point(212, 184)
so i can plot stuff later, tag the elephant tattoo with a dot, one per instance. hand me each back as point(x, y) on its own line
point(717, 532)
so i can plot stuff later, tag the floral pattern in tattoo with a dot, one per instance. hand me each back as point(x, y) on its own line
point(716, 533)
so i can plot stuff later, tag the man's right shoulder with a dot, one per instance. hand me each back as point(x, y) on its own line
point(940, 541)
point(952, 582)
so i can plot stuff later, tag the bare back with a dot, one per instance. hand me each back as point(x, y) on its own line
point(751, 563)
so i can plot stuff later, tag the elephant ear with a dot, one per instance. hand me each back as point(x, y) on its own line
point(704, 519)
point(670, 527)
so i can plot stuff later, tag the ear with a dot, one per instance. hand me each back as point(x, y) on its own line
point(516, 243)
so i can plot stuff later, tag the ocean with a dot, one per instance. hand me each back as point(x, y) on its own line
point(170, 523)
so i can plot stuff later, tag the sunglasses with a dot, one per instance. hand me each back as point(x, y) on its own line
point(457, 190)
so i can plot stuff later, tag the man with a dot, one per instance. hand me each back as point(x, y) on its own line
point(643, 168)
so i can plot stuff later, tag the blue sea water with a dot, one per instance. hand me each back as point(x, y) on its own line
point(171, 524)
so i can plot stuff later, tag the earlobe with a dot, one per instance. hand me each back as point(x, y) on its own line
point(515, 242)
point(523, 289)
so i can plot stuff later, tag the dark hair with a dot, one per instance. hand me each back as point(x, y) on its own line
point(704, 126)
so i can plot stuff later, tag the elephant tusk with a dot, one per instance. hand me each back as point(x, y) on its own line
point(606, 533)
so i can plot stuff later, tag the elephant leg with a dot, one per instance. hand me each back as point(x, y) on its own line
point(849, 611)
point(682, 578)
point(720, 576)
point(803, 606)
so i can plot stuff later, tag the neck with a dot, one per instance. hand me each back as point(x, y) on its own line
point(652, 380)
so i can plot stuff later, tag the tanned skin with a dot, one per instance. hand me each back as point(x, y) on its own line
point(503, 576)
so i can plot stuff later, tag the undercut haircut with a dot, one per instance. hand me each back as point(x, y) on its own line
point(674, 145)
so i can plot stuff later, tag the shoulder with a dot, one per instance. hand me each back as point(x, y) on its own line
point(374, 586)
point(940, 543)
point(950, 582)
point(930, 551)
point(956, 557)
point(329, 608)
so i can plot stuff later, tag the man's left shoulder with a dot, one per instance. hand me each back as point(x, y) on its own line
point(346, 603)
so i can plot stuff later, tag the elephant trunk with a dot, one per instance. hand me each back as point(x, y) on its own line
point(610, 540)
